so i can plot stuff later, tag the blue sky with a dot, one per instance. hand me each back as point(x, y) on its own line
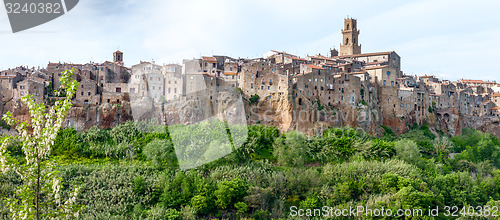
point(452, 39)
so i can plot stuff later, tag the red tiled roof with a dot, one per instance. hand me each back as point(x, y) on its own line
point(209, 59)
point(376, 67)
point(426, 76)
point(367, 54)
point(314, 66)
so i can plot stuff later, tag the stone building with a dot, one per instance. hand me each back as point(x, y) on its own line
point(8, 82)
point(88, 92)
point(138, 86)
point(31, 86)
point(174, 82)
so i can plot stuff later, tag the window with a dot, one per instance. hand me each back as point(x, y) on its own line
point(118, 89)
point(175, 90)
point(392, 83)
point(384, 82)
point(168, 90)
point(82, 93)
point(251, 85)
point(89, 93)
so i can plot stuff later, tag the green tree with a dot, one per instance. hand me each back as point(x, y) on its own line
point(291, 150)
point(161, 152)
point(40, 194)
point(408, 151)
point(229, 192)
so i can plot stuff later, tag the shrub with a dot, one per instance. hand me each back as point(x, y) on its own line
point(161, 152)
point(229, 192)
point(254, 99)
point(241, 207)
point(67, 143)
point(291, 149)
point(408, 151)
point(124, 132)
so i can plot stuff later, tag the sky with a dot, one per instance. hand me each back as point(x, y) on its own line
point(452, 39)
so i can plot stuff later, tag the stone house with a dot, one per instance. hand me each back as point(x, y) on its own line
point(31, 86)
point(174, 82)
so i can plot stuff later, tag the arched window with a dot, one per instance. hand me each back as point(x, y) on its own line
point(347, 26)
point(347, 41)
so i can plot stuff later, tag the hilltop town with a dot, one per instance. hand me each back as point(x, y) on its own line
point(345, 88)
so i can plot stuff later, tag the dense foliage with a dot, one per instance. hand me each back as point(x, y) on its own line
point(127, 173)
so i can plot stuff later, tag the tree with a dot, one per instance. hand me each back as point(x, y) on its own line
point(229, 192)
point(291, 149)
point(41, 183)
point(408, 151)
point(442, 148)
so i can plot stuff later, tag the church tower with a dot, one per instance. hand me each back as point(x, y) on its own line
point(118, 57)
point(349, 45)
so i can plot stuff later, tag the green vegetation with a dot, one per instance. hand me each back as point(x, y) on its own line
point(126, 173)
point(254, 99)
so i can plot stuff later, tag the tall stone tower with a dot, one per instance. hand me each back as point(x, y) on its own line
point(118, 57)
point(349, 45)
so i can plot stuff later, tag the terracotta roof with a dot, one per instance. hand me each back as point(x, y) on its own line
point(495, 108)
point(314, 66)
point(375, 67)
point(38, 80)
point(231, 73)
point(426, 76)
point(367, 54)
point(496, 95)
point(209, 59)
point(471, 81)
point(279, 52)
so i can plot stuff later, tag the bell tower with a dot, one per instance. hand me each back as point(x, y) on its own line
point(349, 45)
point(118, 57)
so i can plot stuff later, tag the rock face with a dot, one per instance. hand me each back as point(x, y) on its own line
point(280, 111)
point(104, 116)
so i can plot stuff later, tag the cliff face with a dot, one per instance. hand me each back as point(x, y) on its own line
point(278, 111)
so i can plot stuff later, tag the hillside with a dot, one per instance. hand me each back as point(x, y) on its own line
point(129, 174)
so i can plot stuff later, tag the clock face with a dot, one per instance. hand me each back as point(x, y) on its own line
point(388, 73)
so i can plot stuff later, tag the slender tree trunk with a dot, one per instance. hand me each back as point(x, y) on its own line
point(37, 196)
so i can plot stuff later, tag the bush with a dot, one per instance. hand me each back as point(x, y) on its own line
point(125, 132)
point(161, 152)
point(230, 192)
point(67, 143)
point(291, 149)
point(254, 99)
point(408, 151)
